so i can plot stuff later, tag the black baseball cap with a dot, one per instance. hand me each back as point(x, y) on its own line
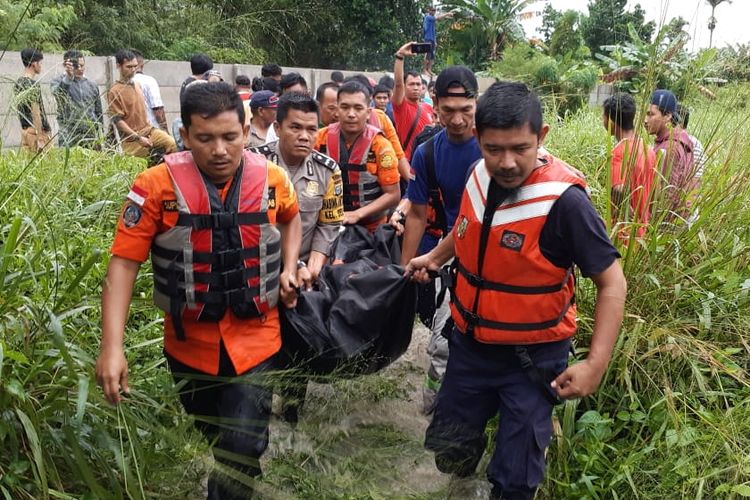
point(456, 76)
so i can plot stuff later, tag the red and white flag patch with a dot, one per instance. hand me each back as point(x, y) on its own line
point(137, 195)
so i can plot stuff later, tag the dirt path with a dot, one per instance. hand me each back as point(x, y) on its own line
point(359, 438)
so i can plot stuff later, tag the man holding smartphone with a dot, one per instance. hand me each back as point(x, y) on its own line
point(79, 108)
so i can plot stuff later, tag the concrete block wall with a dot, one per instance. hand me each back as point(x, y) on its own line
point(102, 70)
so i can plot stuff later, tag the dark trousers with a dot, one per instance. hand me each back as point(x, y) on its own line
point(232, 411)
point(481, 381)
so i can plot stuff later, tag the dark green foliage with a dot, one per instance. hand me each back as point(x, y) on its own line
point(607, 23)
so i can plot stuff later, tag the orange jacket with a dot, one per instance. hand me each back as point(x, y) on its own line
point(518, 297)
point(151, 210)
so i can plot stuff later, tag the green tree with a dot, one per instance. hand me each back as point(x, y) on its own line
point(566, 37)
point(497, 18)
point(33, 24)
point(607, 24)
point(550, 16)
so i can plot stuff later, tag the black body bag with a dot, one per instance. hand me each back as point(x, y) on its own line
point(359, 318)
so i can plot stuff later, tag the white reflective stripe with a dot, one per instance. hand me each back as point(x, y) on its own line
point(525, 193)
point(475, 197)
point(483, 176)
point(523, 212)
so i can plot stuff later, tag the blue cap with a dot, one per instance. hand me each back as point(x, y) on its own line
point(264, 99)
point(665, 101)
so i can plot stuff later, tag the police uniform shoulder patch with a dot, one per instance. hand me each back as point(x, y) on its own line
point(512, 240)
point(324, 160)
point(131, 216)
point(264, 150)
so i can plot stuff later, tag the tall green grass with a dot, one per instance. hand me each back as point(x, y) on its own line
point(671, 419)
point(58, 437)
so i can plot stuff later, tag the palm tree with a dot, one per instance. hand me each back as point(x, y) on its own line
point(498, 17)
point(712, 20)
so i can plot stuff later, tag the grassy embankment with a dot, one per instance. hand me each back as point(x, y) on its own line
point(671, 419)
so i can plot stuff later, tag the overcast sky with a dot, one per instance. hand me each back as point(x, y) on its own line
point(731, 18)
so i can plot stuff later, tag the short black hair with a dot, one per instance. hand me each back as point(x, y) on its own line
point(322, 89)
point(138, 54)
point(271, 84)
point(123, 55)
point(209, 100)
point(507, 105)
point(295, 100)
point(379, 89)
point(200, 63)
point(412, 74)
point(388, 81)
point(29, 56)
point(270, 69)
point(353, 87)
point(72, 54)
point(683, 113)
point(620, 109)
point(291, 79)
point(257, 83)
point(362, 80)
point(337, 76)
point(242, 80)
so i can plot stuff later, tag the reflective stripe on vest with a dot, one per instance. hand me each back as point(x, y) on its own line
point(360, 186)
point(219, 255)
point(519, 297)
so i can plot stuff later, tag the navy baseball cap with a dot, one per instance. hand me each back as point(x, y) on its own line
point(665, 101)
point(264, 99)
point(456, 76)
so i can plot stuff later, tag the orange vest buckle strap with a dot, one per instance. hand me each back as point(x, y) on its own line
point(221, 254)
point(506, 291)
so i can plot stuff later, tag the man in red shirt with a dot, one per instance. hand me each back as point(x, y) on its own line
point(633, 164)
point(411, 115)
point(676, 163)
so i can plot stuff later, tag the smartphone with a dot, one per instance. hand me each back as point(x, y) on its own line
point(421, 48)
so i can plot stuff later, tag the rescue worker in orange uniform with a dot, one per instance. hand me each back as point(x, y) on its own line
point(223, 230)
point(368, 163)
point(524, 222)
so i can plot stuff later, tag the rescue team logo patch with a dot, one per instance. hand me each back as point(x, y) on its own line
point(137, 195)
point(371, 158)
point(169, 205)
point(131, 216)
point(271, 197)
point(461, 228)
point(512, 241)
point(386, 161)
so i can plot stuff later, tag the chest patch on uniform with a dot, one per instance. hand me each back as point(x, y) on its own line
point(272, 198)
point(169, 205)
point(371, 158)
point(461, 228)
point(311, 188)
point(131, 216)
point(512, 241)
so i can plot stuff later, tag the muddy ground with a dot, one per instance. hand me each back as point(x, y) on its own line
point(361, 439)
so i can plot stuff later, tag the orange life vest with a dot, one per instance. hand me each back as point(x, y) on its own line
point(360, 186)
point(518, 296)
point(221, 254)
